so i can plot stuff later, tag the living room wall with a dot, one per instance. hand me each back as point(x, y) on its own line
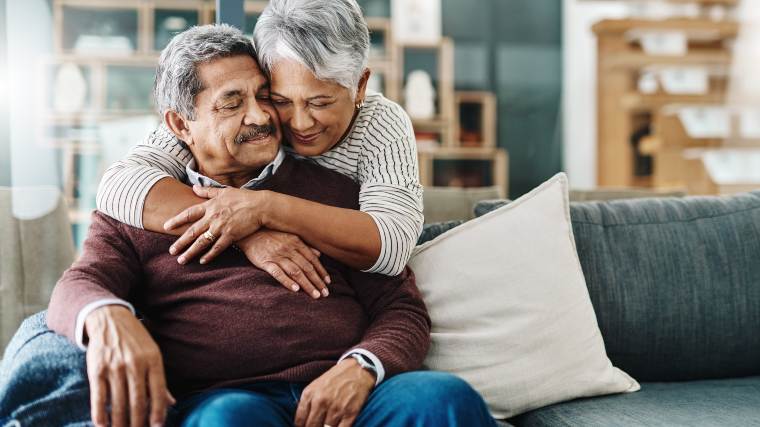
point(512, 48)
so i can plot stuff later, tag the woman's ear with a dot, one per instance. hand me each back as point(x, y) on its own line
point(361, 89)
point(178, 125)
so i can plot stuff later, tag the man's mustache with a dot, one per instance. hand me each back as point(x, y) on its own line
point(255, 132)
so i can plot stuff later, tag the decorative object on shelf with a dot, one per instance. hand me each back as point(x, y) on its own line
point(103, 45)
point(722, 171)
point(705, 122)
point(671, 43)
point(475, 119)
point(170, 22)
point(685, 80)
point(416, 21)
point(419, 95)
point(647, 83)
point(749, 123)
point(427, 141)
point(69, 89)
point(104, 39)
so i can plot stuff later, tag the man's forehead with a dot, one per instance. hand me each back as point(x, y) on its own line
point(224, 76)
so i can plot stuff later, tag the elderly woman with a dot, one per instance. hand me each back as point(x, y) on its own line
point(315, 54)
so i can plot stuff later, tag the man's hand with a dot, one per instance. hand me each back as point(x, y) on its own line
point(288, 259)
point(229, 215)
point(124, 366)
point(336, 397)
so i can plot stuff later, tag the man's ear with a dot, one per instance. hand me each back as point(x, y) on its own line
point(178, 125)
point(361, 90)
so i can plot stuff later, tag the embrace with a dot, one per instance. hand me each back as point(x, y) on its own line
point(300, 310)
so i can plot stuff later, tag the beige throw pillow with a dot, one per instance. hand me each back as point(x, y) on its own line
point(510, 309)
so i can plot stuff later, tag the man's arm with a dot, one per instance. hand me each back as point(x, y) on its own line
point(399, 330)
point(124, 365)
point(397, 338)
point(106, 271)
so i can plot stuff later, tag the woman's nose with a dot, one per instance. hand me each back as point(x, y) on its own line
point(301, 120)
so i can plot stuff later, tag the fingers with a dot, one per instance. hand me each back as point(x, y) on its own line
point(295, 273)
point(160, 398)
point(98, 391)
point(221, 244)
point(310, 272)
point(302, 412)
point(312, 255)
point(206, 192)
point(191, 214)
point(137, 396)
point(275, 271)
point(195, 237)
point(317, 412)
point(118, 389)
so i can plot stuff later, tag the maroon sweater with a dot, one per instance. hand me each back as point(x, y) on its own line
point(229, 322)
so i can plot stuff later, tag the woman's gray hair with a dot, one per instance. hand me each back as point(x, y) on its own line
point(330, 38)
point(177, 82)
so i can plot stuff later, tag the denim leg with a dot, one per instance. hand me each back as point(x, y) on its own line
point(425, 398)
point(236, 407)
point(43, 379)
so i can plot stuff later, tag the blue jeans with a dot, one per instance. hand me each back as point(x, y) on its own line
point(43, 382)
point(412, 399)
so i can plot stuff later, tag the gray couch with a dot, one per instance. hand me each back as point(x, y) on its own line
point(676, 288)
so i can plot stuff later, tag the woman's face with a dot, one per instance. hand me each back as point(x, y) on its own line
point(314, 114)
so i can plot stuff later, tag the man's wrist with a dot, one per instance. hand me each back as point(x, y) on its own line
point(99, 317)
point(367, 377)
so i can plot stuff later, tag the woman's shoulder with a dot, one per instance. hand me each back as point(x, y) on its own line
point(382, 122)
point(380, 107)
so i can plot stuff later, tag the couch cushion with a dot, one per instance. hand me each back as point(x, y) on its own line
point(675, 283)
point(730, 402)
point(500, 317)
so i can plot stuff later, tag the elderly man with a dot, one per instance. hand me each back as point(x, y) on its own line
point(238, 348)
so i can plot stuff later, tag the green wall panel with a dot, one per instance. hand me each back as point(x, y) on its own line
point(512, 48)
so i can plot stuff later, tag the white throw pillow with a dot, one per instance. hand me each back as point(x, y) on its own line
point(510, 309)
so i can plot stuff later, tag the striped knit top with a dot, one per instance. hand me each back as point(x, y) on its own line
point(379, 152)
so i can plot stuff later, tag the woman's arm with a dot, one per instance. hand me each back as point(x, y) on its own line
point(379, 238)
point(126, 190)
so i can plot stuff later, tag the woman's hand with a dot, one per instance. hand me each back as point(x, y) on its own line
point(288, 259)
point(228, 216)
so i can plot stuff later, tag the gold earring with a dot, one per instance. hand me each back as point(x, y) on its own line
point(360, 105)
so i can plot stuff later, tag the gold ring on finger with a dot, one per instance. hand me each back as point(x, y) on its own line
point(209, 236)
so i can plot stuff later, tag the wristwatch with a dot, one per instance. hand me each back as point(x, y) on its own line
point(365, 363)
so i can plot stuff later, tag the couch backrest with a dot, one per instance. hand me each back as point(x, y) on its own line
point(36, 246)
point(675, 283)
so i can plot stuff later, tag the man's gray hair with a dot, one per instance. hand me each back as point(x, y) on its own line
point(330, 38)
point(177, 82)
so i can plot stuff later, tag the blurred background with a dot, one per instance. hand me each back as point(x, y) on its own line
point(630, 98)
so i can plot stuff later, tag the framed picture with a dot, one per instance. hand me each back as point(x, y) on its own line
point(416, 21)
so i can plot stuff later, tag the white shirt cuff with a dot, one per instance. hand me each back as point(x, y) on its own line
point(89, 308)
point(373, 359)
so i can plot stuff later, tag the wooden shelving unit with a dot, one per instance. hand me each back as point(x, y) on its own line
point(136, 23)
point(621, 109)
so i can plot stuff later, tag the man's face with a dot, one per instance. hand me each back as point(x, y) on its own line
point(236, 128)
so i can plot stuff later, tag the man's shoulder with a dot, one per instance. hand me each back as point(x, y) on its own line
point(305, 167)
point(302, 177)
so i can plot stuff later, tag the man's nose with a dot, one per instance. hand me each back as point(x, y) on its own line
point(301, 120)
point(255, 115)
